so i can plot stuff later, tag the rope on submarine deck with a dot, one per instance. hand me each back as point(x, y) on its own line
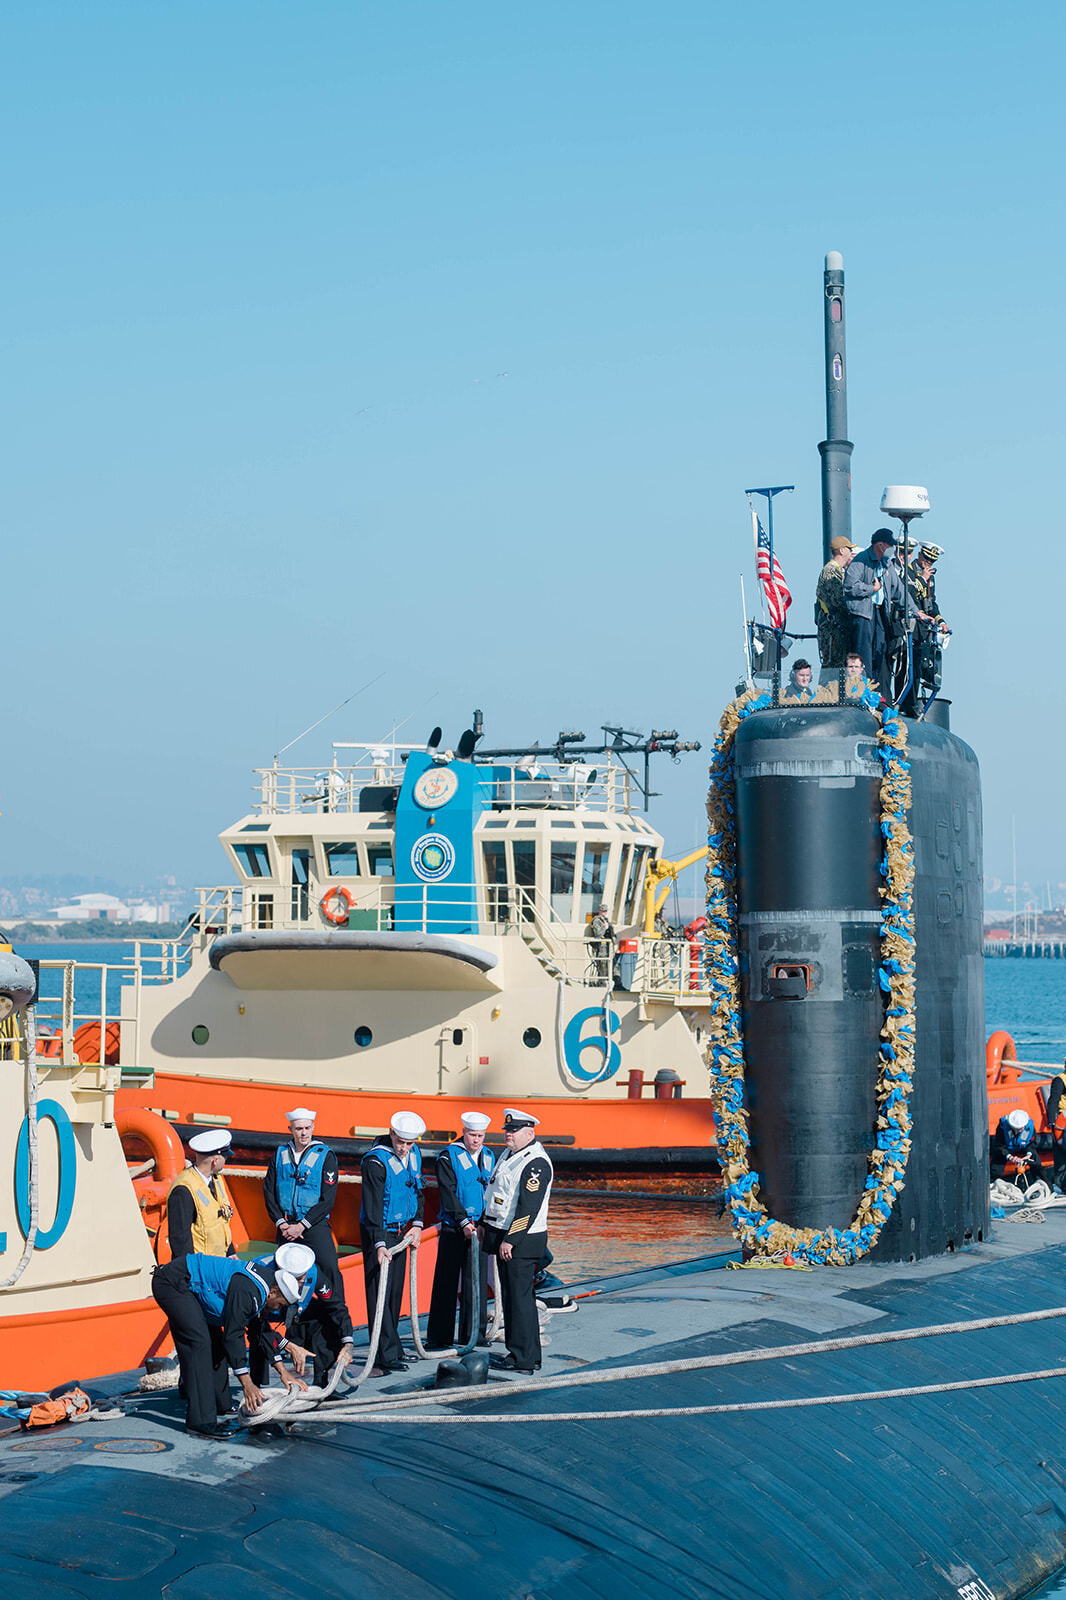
point(290, 1403)
point(295, 1405)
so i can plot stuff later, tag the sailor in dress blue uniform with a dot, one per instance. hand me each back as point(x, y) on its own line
point(392, 1206)
point(463, 1173)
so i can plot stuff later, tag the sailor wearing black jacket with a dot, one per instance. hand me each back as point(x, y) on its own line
point(464, 1171)
point(299, 1191)
point(516, 1232)
point(392, 1206)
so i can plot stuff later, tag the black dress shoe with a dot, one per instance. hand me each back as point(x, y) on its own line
point(394, 1366)
point(223, 1429)
point(509, 1364)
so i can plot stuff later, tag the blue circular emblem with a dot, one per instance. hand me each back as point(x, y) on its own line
point(432, 857)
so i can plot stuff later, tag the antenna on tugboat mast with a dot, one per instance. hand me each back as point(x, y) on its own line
point(321, 720)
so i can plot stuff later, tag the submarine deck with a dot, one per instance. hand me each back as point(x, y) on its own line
point(957, 1493)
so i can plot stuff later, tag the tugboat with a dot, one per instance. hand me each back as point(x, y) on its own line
point(446, 928)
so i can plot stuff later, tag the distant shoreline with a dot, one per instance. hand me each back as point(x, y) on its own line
point(89, 932)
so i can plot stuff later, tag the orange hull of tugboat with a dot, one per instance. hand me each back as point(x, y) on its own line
point(625, 1125)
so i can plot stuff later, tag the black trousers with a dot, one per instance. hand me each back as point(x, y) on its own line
point(868, 639)
point(390, 1350)
point(201, 1352)
point(520, 1320)
point(452, 1270)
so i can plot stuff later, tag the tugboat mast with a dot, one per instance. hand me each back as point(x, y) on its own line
point(836, 448)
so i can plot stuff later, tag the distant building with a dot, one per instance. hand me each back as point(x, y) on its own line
point(108, 908)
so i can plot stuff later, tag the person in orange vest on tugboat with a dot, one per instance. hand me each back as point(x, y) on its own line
point(516, 1233)
point(1015, 1157)
point(392, 1206)
point(299, 1191)
point(1056, 1117)
point(463, 1173)
point(199, 1207)
point(211, 1302)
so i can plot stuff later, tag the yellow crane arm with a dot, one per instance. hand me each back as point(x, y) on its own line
point(658, 877)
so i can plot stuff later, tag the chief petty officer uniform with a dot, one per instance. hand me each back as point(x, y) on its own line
point(392, 1203)
point(199, 1207)
point(462, 1178)
point(302, 1187)
point(516, 1213)
point(210, 1301)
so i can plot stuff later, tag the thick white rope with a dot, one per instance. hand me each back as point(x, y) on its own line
point(718, 1410)
point(29, 1034)
point(344, 1412)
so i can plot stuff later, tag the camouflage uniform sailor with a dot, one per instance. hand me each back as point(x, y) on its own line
point(831, 615)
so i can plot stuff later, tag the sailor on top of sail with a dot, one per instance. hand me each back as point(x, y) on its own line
point(508, 1175)
point(472, 1173)
point(298, 1173)
point(403, 1175)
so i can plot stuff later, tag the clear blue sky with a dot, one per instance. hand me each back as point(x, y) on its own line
point(265, 266)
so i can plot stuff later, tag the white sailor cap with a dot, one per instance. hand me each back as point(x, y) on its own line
point(513, 1119)
point(296, 1259)
point(407, 1125)
point(1018, 1118)
point(288, 1285)
point(475, 1121)
point(300, 1114)
point(211, 1141)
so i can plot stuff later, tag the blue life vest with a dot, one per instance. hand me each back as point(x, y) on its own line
point(403, 1185)
point(211, 1276)
point(299, 1183)
point(1017, 1138)
point(310, 1282)
point(472, 1174)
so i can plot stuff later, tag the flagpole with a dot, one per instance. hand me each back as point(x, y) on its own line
point(780, 488)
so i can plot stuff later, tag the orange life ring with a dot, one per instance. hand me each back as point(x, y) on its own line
point(160, 1137)
point(999, 1052)
point(336, 904)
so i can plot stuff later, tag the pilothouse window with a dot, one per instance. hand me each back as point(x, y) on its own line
point(379, 857)
point(253, 860)
point(593, 879)
point(497, 900)
point(342, 860)
point(562, 880)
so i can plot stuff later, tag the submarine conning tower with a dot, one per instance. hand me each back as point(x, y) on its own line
point(809, 854)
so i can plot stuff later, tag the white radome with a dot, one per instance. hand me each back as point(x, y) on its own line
point(905, 500)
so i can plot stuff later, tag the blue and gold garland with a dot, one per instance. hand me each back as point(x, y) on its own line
point(758, 1233)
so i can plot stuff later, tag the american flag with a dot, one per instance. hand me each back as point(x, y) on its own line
point(778, 598)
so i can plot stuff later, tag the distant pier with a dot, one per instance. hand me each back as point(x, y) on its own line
point(1049, 949)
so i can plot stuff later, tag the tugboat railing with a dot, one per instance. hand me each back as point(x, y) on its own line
point(547, 785)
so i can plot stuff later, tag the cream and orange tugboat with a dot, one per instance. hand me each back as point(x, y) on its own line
point(421, 925)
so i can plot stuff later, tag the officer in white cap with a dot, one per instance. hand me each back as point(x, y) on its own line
point(392, 1206)
point(463, 1173)
point(299, 1192)
point(516, 1233)
point(213, 1305)
point(199, 1207)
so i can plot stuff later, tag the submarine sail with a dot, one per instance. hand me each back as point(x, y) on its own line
point(810, 908)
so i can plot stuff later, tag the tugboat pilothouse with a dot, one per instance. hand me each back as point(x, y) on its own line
point(449, 928)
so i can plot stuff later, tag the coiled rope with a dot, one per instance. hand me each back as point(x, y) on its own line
point(29, 1034)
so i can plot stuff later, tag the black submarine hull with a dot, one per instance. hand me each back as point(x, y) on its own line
point(808, 873)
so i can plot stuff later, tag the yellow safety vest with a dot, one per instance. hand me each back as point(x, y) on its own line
point(211, 1232)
